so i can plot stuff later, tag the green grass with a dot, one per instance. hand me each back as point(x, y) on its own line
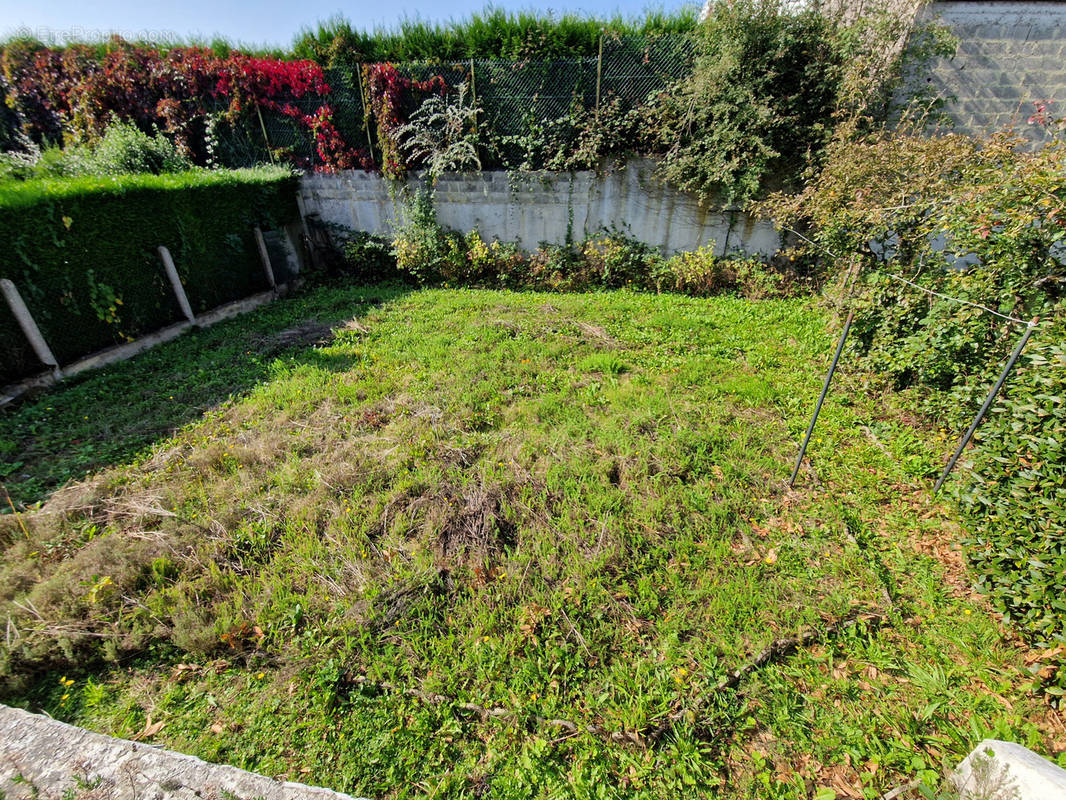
point(567, 506)
point(109, 416)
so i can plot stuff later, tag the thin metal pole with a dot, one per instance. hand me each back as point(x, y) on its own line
point(366, 119)
point(262, 125)
point(985, 406)
point(821, 398)
point(473, 84)
point(599, 73)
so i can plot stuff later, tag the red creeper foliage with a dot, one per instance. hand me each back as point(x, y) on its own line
point(74, 93)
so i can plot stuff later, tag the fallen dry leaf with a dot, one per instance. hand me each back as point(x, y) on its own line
point(150, 729)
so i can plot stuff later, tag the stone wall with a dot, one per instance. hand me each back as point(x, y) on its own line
point(1010, 55)
point(544, 207)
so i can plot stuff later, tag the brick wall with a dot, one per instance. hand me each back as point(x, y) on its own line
point(1010, 55)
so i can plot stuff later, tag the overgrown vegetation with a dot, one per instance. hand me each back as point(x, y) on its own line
point(475, 542)
point(205, 103)
point(566, 506)
point(769, 84)
point(111, 226)
point(431, 255)
point(123, 149)
point(760, 103)
point(984, 221)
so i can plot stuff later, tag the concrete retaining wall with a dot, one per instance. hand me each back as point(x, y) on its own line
point(43, 759)
point(545, 207)
point(1010, 55)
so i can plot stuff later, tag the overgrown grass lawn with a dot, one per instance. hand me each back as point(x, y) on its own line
point(561, 507)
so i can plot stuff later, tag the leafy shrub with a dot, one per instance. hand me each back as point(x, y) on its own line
point(760, 103)
point(17, 166)
point(496, 262)
point(432, 255)
point(1016, 495)
point(125, 149)
point(702, 273)
point(698, 272)
point(424, 250)
point(983, 221)
point(369, 258)
point(83, 251)
point(552, 267)
point(613, 261)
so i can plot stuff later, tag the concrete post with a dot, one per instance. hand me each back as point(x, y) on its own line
point(264, 256)
point(303, 214)
point(175, 282)
point(29, 327)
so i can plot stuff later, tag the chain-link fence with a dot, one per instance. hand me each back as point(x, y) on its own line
point(518, 99)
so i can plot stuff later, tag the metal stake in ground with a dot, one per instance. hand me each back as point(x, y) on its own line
point(985, 406)
point(821, 398)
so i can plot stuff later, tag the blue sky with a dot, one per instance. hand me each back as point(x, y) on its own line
point(255, 21)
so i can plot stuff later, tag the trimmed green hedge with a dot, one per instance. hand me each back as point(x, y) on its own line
point(82, 253)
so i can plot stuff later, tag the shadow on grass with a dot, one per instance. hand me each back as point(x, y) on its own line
point(107, 416)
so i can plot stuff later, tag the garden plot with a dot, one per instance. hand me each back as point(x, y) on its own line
point(474, 541)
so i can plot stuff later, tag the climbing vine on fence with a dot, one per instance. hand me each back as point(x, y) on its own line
point(392, 99)
point(72, 95)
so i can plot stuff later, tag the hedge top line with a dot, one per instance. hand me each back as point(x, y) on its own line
point(493, 32)
point(26, 193)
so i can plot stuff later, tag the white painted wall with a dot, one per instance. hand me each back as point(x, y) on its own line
point(531, 208)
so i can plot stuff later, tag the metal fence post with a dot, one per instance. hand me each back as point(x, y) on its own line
point(366, 116)
point(599, 76)
point(985, 406)
point(821, 398)
point(262, 125)
point(473, 84)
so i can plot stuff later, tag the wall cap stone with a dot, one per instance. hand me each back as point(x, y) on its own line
point(43, 758)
